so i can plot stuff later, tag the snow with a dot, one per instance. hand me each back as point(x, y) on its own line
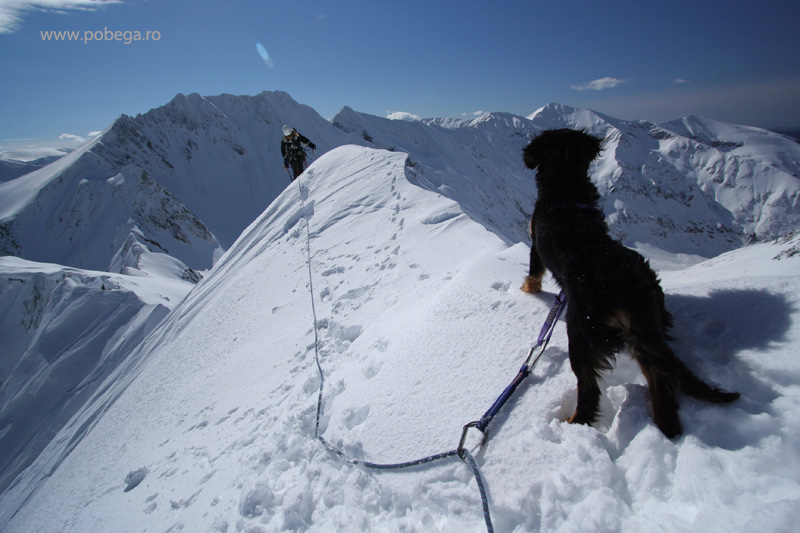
point(80, 211)
point(413, 300)
point(220, 155)
point(16, 194)
point(64, 331)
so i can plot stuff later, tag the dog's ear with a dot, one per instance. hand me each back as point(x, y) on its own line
point(541, 148)
point(587, 147)
point(529, 155)
point(564, 146)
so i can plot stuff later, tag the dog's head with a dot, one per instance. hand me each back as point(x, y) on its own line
point(562, 148)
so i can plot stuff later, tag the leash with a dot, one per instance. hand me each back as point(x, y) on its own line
point(546, 332)
point(481, 425)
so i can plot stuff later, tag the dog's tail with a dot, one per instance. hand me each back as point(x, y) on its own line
point(660, 357)
point(693, 386)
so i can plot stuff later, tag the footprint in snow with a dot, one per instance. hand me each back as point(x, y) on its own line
point(501, 286)
point(356, 417)
point(335, 270)
point(135, 477)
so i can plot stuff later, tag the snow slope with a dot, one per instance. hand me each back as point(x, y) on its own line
point(64, 332)
point(695, 187)
point(419, 326)
point(475, 163)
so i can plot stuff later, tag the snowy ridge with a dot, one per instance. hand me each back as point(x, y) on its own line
point(480, 168)
point(420, 326)
point(11, 169)
point(695, 189)
point(170, 182)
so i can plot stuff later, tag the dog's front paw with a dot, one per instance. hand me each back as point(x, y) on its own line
point(532, 284)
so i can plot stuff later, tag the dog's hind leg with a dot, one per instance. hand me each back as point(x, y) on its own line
point(665, 374)
point(662, 395)
point(668, 375)
point(689, 383)
point(658, 362)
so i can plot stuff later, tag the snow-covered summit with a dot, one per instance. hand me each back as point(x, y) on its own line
point(554, 116)
point(216, 160)
point(220, 154)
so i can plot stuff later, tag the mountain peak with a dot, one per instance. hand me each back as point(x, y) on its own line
point(554, 116)
point(552, 109)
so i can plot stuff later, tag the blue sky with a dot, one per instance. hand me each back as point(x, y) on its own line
point(735, 61)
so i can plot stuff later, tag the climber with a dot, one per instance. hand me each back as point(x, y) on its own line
point(294, 156)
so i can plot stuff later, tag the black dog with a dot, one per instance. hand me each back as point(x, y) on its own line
point(614, 297)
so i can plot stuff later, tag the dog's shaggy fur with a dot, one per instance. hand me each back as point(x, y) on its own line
point(613, 296)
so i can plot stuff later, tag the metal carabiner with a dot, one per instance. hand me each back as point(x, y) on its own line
point(463, 440)
point(531, 361)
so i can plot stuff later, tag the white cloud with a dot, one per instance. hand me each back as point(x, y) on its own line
point(402, 115)
point(13, 11)
point(31, 148)
point(71, 138)
point(680, 80)
point(599, 84)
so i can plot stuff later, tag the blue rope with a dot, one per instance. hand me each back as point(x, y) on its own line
point(385, 466)
point(484, 500)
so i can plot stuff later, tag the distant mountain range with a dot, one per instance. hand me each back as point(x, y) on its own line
point(11, 168)
point(182, 181)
